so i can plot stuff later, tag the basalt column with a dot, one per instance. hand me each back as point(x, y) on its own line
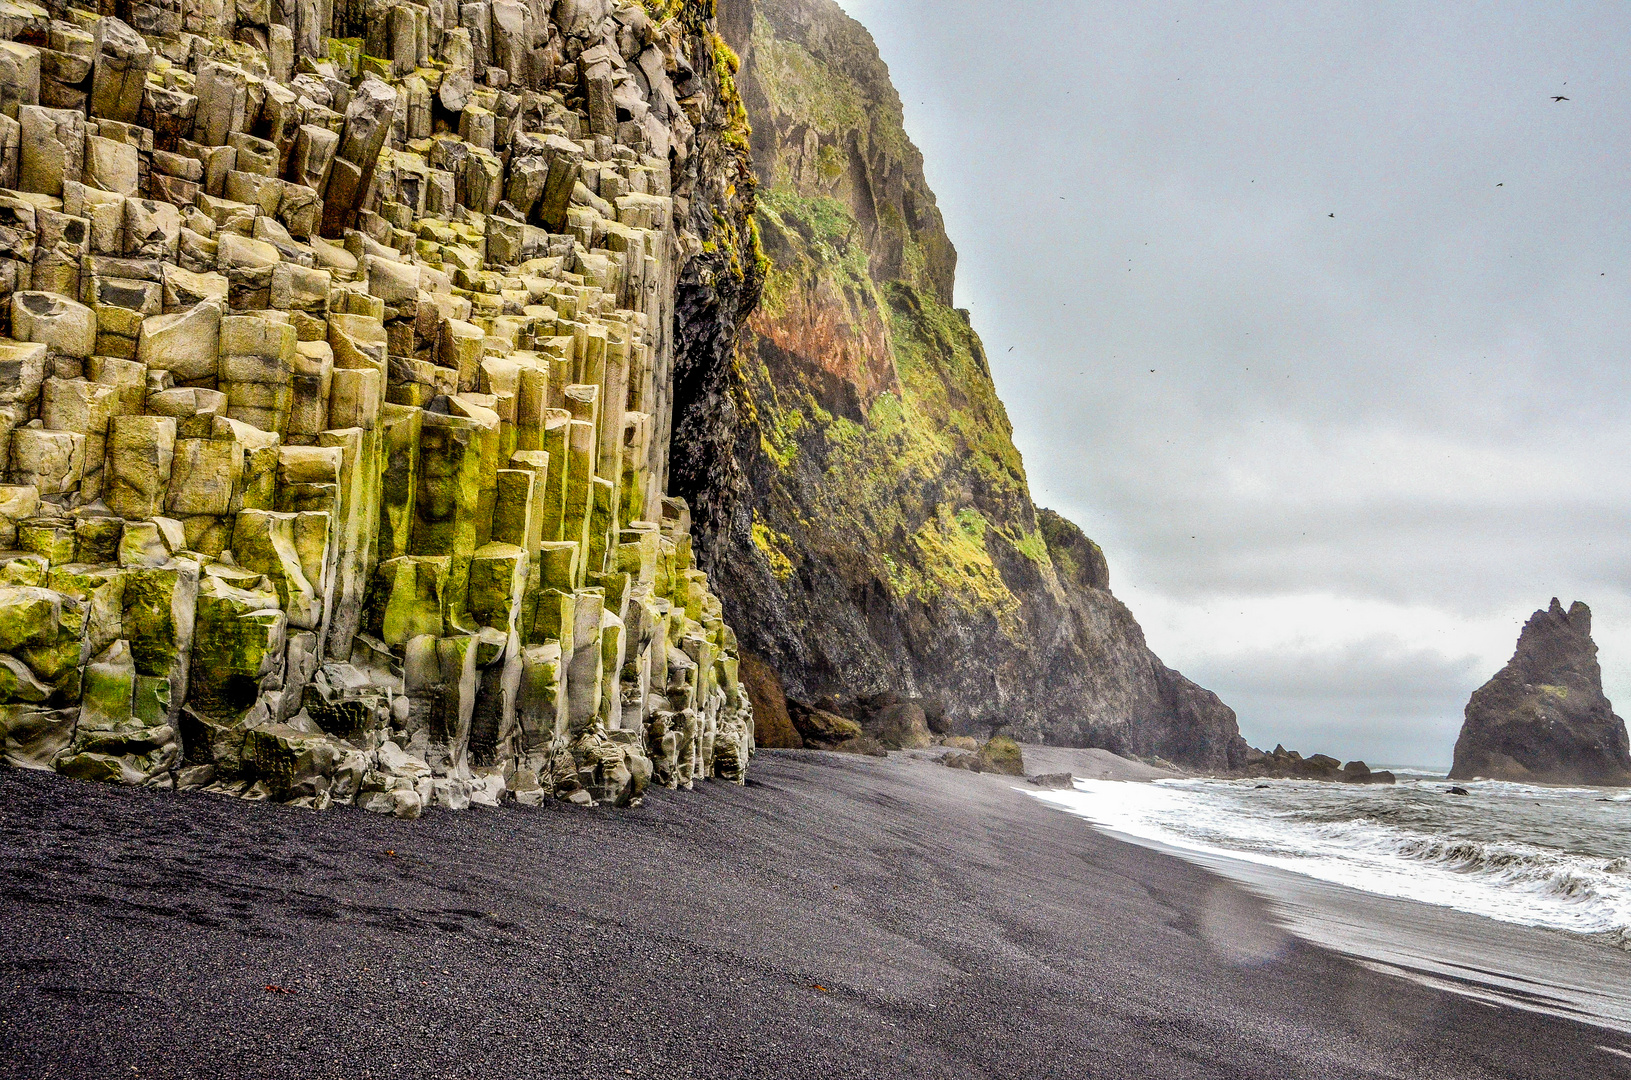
point(330, 410)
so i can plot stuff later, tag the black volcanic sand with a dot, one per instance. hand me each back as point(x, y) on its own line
point(838, 917)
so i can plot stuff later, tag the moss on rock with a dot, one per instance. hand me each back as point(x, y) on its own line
point(1002, 755)
point(874, 441)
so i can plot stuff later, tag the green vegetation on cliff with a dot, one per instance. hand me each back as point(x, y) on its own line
point(925, 464)
point(897, 423)
point(888, 542)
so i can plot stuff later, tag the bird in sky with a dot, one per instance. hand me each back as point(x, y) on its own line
point(1559, 97)
point(1330, 215)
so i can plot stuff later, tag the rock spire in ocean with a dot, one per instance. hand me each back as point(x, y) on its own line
point(1544, 718)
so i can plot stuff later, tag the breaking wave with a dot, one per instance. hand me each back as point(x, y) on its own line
point(1549, 857)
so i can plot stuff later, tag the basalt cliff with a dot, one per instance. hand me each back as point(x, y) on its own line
point(1543, 718)
point(866, 515)
point(346, 345)
point(368, 369)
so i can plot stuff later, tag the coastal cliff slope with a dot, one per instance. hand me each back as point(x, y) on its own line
point(881, 534)
point(1543, 718)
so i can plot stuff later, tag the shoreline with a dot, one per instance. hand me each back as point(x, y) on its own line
point(1556, 972)
point(837, 917)
point(1577, 977)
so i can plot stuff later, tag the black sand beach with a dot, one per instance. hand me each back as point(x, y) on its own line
point(839, 917)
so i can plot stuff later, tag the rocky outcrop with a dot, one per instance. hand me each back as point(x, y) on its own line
point(347, 352)
point(1283, 764)
point(1543, 718)
point(886, 540)
point(1000, 755)
point(1062, 781)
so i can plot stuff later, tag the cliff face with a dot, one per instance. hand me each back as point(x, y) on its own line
point(887, 541)
point(1543, 718)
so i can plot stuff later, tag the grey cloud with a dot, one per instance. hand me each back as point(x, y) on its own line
point(1371, 700)
point(1378, 554)
point(1137, 187)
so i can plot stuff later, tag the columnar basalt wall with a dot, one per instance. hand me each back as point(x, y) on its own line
point(338, 392)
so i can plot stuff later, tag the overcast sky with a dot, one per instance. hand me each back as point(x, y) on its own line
point(1335, 462)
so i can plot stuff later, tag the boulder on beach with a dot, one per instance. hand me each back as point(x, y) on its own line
point(869, 724)
point(820, 729)
point(1000, 755)
point(1058, 781)
point(1543, 718)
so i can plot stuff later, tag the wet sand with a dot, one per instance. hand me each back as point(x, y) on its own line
point(1550, 971)
point(838, 917)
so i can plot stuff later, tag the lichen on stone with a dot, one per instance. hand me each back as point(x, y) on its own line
point(772, 545)
point(346, 358)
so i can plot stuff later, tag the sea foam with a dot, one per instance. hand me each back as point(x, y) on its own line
point(1548, 857)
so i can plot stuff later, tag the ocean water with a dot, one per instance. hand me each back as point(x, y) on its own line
point(1550, 857)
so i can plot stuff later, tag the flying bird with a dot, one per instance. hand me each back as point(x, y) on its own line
point(1330, 215)
point(1559, 97)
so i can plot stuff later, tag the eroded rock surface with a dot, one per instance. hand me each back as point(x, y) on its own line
point(1000, 755)
point(1543, 718)
point(339, 391)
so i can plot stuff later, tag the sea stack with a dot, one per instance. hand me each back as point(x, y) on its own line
point(1544, 718)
